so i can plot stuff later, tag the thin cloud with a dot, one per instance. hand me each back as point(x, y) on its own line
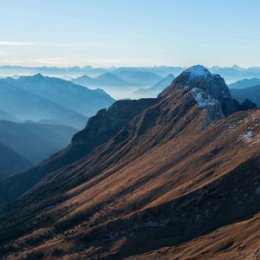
point(16, 43)
point(51, 61)
point(51, 44)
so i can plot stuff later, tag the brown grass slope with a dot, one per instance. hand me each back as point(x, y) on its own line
point(161, 188)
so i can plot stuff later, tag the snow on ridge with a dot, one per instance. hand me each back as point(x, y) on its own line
point(203, 98)
point(212, 105)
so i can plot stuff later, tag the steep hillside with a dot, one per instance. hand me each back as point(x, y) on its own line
point(174, 175)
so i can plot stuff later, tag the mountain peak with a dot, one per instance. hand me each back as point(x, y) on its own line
point(198, 71)
point(38, 75)
point(210, 92)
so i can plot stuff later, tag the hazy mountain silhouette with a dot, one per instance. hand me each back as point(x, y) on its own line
point(66, 94)
point(235, 73)
point(11, 162)
point(102, 81)
point(110, 82)
point(35, 141)
point(244, 83)
point(231, 74)
point(155, 89)
point(252, 93)
point(136, 77)
point(54, 100)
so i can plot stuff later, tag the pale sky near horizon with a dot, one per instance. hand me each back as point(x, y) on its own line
point(130, 32)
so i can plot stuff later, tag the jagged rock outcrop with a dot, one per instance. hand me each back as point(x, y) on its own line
point(107, 122)
point(210, 91)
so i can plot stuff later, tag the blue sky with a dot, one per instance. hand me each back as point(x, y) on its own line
point(131, 33)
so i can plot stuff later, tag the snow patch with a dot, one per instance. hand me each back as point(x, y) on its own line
point(248, 137)
point(212, 105)
point(203, 98)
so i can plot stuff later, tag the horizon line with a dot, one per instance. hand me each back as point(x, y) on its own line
point(129, 66)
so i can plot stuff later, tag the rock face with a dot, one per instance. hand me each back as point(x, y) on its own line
point(157, 176)
point(210, 91)
point(108, 122)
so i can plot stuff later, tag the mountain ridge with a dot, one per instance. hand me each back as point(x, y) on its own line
point(163, 177)
point(244, 83)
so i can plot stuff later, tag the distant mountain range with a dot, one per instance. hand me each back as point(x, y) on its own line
point(47, 99)
point(140, 78)
point(120, 83)
point(244, 83)
point(230, 74)
point(39, 115)
point(252, 93)
point(104, 80)
point(246, 89)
